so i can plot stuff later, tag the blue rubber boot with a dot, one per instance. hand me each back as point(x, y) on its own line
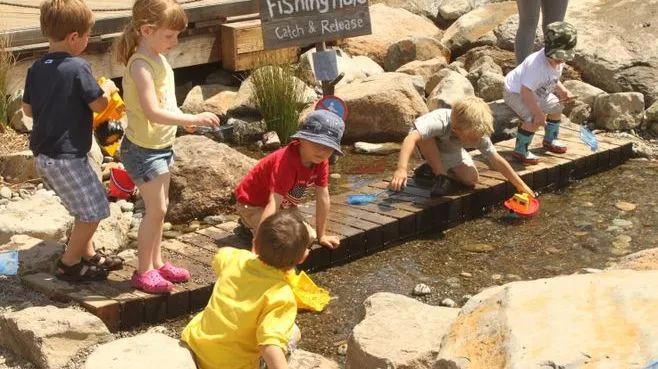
point(551, 143)
point(521, 152)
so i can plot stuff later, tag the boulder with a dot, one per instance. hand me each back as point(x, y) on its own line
point(425, 69)
point(49, 220)
point(300, 359)
point(382, 107)
point(19, 166)
point(34, 255)
point(505, 121)
point(414, 48)
point(397, 332)
point(245, 132)
point(483, 64)
point(388, 26)
point(618, 111)
point(428, 9)
point(578, 112)
point(490, 86)
point(478, 56)
point(652, 118)
point(506, 34)
point(148, 350)
point(584, 92)
point(271, 141)
point(21, 122)
point(613, 51)
point(214, 98)
point(641, 260)
point(15, 102)
point(203, 177)
point(471, 27)
point(451, 10)
point(49, 336)
point(377, 149)
point(601, 320)
point(354, 67)
point(452, 87)
point(112, 232)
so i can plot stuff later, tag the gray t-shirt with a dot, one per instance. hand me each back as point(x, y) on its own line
point(437, 124)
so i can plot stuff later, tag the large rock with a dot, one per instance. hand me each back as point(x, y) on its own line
point(354, 67)
point(21, 122)
point(451, 10)
point(616, 49)
point(468, 29)
point(34, 255)
point(397, 332)
point(423, 68)
point(484, 64)
point(601, 320)
point(452, 87)
point(95, 157)
point(490, 86)
point(584, 92)
point(381, 108)
point(203, 177)
point(414, 48)
point(641, 260)
point(506, 34)
point(20, 166)
point(388, 26)
point(244, 132)
point(505, 120)
point(112, 232)
point(428, 9)
point(48, 219)
point(148, 350)
point(652, 118)
point(301, 359)
point(618, 111)
point(215, 98)
point(49, 336)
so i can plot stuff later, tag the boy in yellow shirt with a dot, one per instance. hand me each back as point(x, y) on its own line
point(252, 310)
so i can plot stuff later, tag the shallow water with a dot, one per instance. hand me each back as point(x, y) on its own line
point(578, 227)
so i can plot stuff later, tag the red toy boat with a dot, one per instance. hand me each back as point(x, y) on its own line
point(522, 204)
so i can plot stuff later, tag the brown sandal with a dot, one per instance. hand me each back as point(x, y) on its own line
point(80, 272)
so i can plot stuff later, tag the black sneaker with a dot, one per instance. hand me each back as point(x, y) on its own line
point(423, 175)
point(441, 187)
point(243, 231)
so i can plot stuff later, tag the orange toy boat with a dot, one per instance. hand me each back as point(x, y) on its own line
point(522, 204)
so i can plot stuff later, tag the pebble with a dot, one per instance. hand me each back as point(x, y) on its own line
point(466, 274)
point(448, 303)
point(422, 289)
point(194, 225)
point(590, 270)
point(167, 227)
point(214, 219)
point(132, 235)
point(4, 201)
point(622, 223)
point(625, 206)
point(335, 176)
point(135, 222)
point(478, 247)
point(454, 282)
point(496, 277)
point(623, 238)
point(40, 186)
point(23, 193)
point(5, 192)
point(342, 349)
point(126, 206)
point(171, 234)
point(130, 254)
point(587, 204)
point(465, 298)
point(513, 277)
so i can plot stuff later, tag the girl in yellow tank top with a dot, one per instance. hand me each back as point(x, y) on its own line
point(153, 117)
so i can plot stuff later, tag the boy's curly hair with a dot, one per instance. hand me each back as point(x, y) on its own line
point(59, 18)
point(472, 115)
point(282, 239)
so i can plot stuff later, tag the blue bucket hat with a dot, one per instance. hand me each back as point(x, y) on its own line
point(322, 127)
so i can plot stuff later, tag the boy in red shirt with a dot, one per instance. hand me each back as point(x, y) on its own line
point(279, 180)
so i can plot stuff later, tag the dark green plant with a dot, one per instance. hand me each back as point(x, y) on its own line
point(278, 96)
point(6, 62)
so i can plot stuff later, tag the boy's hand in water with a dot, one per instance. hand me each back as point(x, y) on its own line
point(206, 119)
point(399, 180)
point(329, 241)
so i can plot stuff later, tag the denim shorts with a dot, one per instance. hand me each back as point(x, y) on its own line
point(76, 184)
point(144, 164)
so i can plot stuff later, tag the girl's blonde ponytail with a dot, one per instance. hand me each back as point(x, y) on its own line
point(125, 45)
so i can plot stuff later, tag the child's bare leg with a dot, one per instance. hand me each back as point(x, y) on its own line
point(466, 174)
point(80, 244)
point(154, 194)
point(430, 152)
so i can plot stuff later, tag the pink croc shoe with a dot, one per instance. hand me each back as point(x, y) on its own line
point(151, 282)
point(174, 274)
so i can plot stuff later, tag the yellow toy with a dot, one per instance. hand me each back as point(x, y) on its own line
point(114, 109)
point(106, 125)
point(308, 295)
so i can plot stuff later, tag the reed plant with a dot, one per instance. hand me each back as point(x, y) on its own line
point(278, 96)
point(6, 63)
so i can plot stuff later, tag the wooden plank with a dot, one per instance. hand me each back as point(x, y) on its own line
point(389, 226)
point(319, 258)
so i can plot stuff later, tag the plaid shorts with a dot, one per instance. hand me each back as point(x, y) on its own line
point(75, 182)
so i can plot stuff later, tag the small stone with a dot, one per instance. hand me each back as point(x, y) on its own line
point(171, 234)
point(107, 159)
point(422, 289)
point(580, 234)
point(587, 204)
point(23, 193)
point(4, 201)
point(622, 238)
point(259, 145)
point(552, 250)
point(613, 229)
point(271, 141)
point(448, 302)
point(135, 222)
point(5, 192)
point(214, 219)
point(478, 247)
point(513, 277)
point(466, 274)
point(623, 223)
point(194, 225)
point(496, 277)
point(129, 254)
point(335, 176)
point(625, 206)
point(40, 186)
point(590, 270)
point(126, 206)
point(465, 298)
point(158, 329)
point(167, 226)
point(132, 235)
point(342, 349)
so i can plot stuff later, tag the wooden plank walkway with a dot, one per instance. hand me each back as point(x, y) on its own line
point(363, 230)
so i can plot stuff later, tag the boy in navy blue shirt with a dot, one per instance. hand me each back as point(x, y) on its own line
point(61, 95)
